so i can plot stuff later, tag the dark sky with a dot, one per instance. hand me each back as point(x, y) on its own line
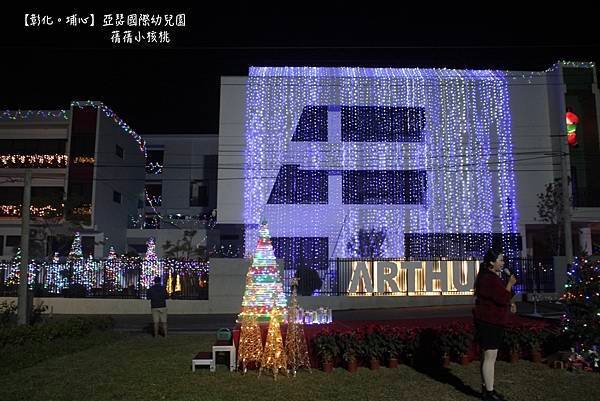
point(175, 88)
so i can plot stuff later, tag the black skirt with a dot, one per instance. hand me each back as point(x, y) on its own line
point(488, 335)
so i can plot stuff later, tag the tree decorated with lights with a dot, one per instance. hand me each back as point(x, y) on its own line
point(251, 347)
point(90, 276)
point(149, 265)
point(295, 341)
point(55, 281)
point(111, 281)
point(76, 251)
point(263, 281)
point(75, 259)
point(273, 356)
point(581, 321)
point(13, 277)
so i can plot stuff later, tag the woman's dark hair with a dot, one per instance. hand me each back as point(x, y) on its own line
point(490, 257)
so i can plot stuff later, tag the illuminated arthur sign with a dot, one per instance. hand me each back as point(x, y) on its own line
point(443, 277)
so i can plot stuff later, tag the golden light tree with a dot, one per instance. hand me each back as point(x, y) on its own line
point(295, 341)
point(177, 285)
point(251, 347)
point(273, 356)
point(170, 284)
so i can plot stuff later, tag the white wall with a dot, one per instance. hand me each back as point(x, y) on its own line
point(115, 174)
point(232, 144)
point(184, 158)
point(532, 130)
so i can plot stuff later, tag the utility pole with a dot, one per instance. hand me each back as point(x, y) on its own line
point(566, 197)
point(23, 304)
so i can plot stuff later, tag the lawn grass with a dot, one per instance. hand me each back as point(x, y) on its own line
point(139, 367)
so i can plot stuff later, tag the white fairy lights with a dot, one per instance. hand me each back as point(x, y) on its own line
point(464, 180)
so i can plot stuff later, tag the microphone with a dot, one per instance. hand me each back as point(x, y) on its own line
point(507, 272)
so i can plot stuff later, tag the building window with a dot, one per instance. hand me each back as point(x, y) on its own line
point(153, 194)
point(154, 161)
point(119, 151)
point(384, 187)
point(11, 195)
point(116, 197)
point(1, 245)
point(198, 193)
point(302, 252)
point(296, 186)
point(13, 241)
point(312, 126)
point(382, 124)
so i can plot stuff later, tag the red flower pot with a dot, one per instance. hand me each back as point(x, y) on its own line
point(352, 366)
point(446, 361)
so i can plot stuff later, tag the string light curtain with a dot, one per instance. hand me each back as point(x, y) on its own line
point(403, 151)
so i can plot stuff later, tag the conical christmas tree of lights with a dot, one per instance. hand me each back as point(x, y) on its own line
point(581, 321)
point(90, 273)
point(170, 284)
point(251, 348)
point(149, 265)
point(273, 356)
point(75, 259)
point(177, 284)
point(263, 281)
point(295, 341)
point(111, 281)
point(76, 251)
point(13, 277)
point(55, 282)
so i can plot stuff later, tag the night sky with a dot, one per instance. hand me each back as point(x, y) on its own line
point(175, 88)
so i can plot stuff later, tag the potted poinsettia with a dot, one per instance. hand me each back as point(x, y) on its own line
point(461, 340)
point(373, 349)
point(350, 348)
point(533, 338)
point(327, 349)
point(513, 337)
point(410, 339)
point(443, 344)
point(392, 348)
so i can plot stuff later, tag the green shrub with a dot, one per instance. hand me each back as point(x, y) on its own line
point(47, 332)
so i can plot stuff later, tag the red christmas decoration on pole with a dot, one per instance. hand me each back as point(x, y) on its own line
point(572, 120)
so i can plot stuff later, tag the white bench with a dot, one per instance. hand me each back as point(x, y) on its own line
point(204, 359)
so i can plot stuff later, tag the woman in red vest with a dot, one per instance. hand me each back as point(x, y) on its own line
point(491, 312)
